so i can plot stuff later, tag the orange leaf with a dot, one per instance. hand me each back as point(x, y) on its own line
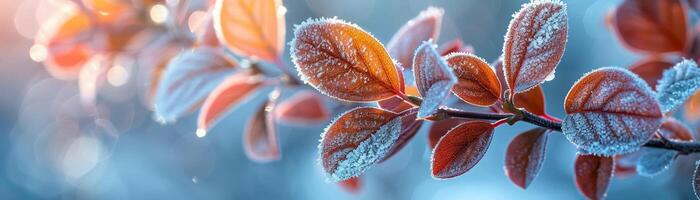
point(534, 44)
point(252, 28)
point(356, 140)
point(476, 81)
point(440, 128)
point(230, 93)
point(409, 127)
point(525, 156)
point(692, 107)
point(344, 62)
point(424, 27)
point(675, 130)
point(305, 107)
point(532, 100)
point(66, 39)
point(108, 11)
point(188, 79)
point(610, 111)
point(396, 104)
point(593, 174)
point(260, 136)
point(651, 26)
point(651, 69)
point(461, 148)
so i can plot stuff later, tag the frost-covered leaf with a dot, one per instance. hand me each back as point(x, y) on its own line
point(651, 26)
point(343, 61)
point(593, 174)
point(455, 46)
point(397, 104)
point(440, 128)
point(610, 111)
point(525, 156)
point(230, 93)
point(651, 69)
point(424, 27)
point(677, 85)
point(252, 28)
point(531, 100)
point(188, 79)
point(356, 140)
point(477, 83)
point(65, 38)
point(534, 44)
point(260, 135)
point(434, 78)
point(352, 185)
point(461, 148)
point(304, 107)
point(654, 161)
point(409, 127)
point(696, 180)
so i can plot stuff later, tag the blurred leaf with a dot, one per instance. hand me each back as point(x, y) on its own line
point(303, 108)
point(352, 185)
point(651, 69)
point(651, 26)
point(455, 46)
point(424, 27)
point(252, 28)
point(230, 93)
point(260, 136)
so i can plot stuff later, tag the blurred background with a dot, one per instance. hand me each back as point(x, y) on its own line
point(46, 152)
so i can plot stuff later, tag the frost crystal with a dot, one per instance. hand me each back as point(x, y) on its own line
point(677, 85)
point(534, 44)
point(610, 111)
point(368, 152)
point(654, 161)
point(434, 78)
point(188, 79)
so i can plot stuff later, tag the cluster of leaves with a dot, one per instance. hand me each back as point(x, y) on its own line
point(190, 68)
point(610, 111)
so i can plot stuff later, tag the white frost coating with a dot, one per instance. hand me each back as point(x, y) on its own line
point(533, 59)
point(654, 161)
point(434, 78)
point(615, 115)
point(187, 80)
point(370, 151)
point(677, 85)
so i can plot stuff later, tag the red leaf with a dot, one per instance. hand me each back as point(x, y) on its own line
point(525, 156)
point(227, 95)
point(188, 79)
point(409, 127)
point(455, 46)
point(691, 109)
point(534, 44)
point(356, 140)
point(260, 137)
point(305, 107)
point(610, 111)
point(651, 69)
point(424, 27)
point(532, 100)
point(651, 26)
point(675, 130)
point(461, 148)
point(626, 164)
point(593, 174)
point(345, 62)
point(66, 40)
point(434, 78)
point(477, 83)
point(352, 185)
point(440, 128)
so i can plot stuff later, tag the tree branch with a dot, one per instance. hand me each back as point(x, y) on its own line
point(679, 146)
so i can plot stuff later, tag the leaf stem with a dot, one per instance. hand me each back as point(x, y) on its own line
point(679, 146)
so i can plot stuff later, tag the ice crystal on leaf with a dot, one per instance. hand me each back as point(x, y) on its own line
point(534, 44)
point(343, 61)
point(610, 111)
point(188, 79)
point(409, 127)
point(677, 85)
point(434, 78)
point(424, 27)
point(356, 140)
point(478, 83)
